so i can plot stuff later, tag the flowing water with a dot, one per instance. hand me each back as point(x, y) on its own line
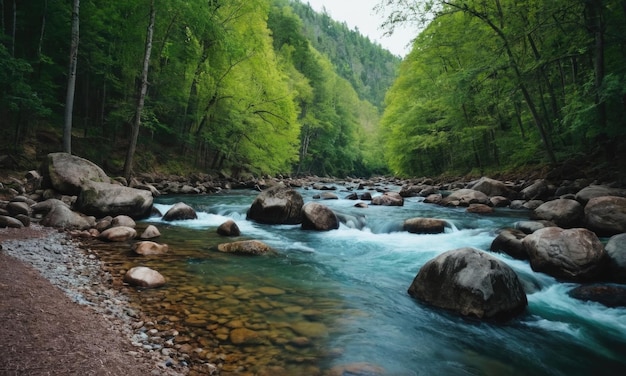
point(339, 298)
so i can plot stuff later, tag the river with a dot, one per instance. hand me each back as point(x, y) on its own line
point(337, 299)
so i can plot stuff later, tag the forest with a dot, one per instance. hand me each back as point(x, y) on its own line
point(504, 83)
point(232, 86)
point(255, 87)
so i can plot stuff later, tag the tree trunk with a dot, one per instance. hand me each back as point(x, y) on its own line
point(71, 80)
point(141, 97)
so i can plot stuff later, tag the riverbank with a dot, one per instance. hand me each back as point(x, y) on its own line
point(60, 315)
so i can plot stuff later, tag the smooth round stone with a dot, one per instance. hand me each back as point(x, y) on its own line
point(310, 329)
point(293, 309)
point(270, 291)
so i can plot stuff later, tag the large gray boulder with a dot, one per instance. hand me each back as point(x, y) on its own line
point(492, 187)
point(318, 217)
point(67, 173)
point(61, 216)
point(564, 213)
point(539, 190)
point(616, 249)
point(471, 283)
point(587, 193)
point(606, 215)
point(574, 254)
point(277, 205)
point(102, 199)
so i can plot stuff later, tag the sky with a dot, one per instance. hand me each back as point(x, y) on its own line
point(360, 13)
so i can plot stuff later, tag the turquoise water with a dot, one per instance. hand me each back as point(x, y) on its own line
point(345, 292)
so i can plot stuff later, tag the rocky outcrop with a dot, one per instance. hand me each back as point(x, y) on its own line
point(180, 211)
point(277, 205)
point(425, 225)
point(592, 191)
point(471, 283)
point(318, 217)
point(142, 276)
point(246, 247)
point(66, 173)
point(564, 213)
point(606, 215)
point(102, 199)
point(573, 254)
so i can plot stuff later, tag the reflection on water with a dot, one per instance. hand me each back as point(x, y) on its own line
point(338, 299)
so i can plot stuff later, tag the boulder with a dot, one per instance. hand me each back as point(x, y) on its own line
point(150, 232)
point(434, 198)
point(479, 209)
point(123, 220)
point(492, 187)
point(471, 283)
point(6, 221)
point(318, 217)
point(61, 216)
point(44, 207)
point(245, 247)
point(465, 197)
point(564, 213)
point(574, 254)
point(329, 196)
point(24, 219)
point(277, 205)
point(365, 196)
point(67, 173)
point(528, 227)
point(606, 215)
point(148, 248)
point(539, 190)
point(388, 199)
point(229, 228)
point(424, 225)
point(118, 234)
point(180, 211)
point(142, 276)
point(616, 250)
point(104, 223)
point(102, 199)
point(17, 207)
point(509, 241)
point(592, 191)
point(499, 201)
point(609, 295)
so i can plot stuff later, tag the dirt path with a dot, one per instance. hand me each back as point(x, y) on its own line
point(43, 331)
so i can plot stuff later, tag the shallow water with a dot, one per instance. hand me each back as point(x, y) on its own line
point(337, 298)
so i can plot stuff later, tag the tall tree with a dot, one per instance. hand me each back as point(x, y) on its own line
point(141, 96)
point(71, 79)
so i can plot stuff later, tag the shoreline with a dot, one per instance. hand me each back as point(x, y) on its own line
point(80, 276)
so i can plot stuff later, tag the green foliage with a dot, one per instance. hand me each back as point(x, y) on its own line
point(506, 83)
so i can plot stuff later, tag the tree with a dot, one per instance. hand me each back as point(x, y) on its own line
point(141, 96)
point(71, 79)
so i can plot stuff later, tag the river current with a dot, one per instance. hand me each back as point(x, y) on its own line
point(337, 299)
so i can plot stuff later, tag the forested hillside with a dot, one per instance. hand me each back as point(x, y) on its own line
point(498, 83)
point(232, 86)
